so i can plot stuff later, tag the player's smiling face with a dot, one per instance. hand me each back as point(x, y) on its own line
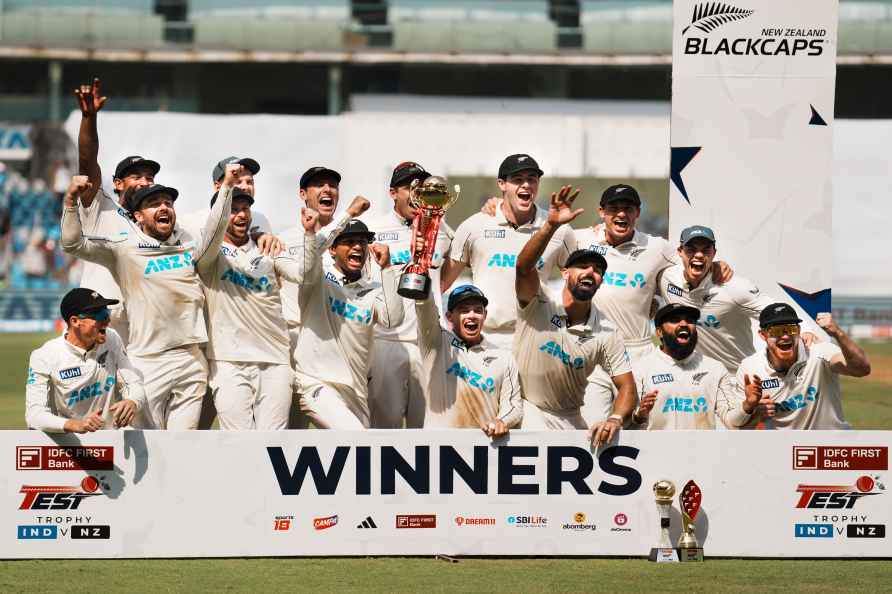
point(697, 256)
point(349, 254)
point(137, 177)
point(239, 222)
point(583, 279)
point(519, 192)
point(88, 331)
point(467, 320)
point(678, 335)
point(245, 183)
point(401, 204)
point(783, 350)
point(157, 216)
point(321, 194)
point(619, 220)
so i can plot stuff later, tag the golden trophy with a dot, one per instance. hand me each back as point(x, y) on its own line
point(664, 552)
point(689, 500)
point(431, 197)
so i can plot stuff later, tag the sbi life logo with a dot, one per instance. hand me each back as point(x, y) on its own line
point(527, 521)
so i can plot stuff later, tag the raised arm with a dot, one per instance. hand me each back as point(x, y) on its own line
point(211, 237)
point(92, 249)
point(560, 212)
point(853, 360)
point(614, 359)
point(429, 329)
point(90, 101)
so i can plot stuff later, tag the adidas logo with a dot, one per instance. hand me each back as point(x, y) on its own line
point(367, 523)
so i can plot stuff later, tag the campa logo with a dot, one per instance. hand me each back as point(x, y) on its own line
point(709, 16)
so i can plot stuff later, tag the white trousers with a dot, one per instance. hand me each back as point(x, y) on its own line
point(251, 395)
point(325, 407)
point(538, 419)
point(395, 390)
point(175, 382)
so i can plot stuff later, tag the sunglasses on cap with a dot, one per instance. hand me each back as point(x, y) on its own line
point(102, 315)
point(782, 329)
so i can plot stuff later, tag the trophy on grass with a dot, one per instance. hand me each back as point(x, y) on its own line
point(664, 552)
point(431, 197)
point(689, 500)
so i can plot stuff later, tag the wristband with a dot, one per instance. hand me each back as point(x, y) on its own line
point(617, 418)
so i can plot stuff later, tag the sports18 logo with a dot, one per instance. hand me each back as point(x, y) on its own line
point(837, 496)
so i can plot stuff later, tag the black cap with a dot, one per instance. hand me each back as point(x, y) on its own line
point(620, 192)
point(675, 308)
point(248, 163)
point(356, 227)
point(135, 198)
point(465, 293)
point(236, 193)
point(587, 255)
point(697, 232)
point(405, 172)
point(520, 162)
point(778, 313)
point(312, 172)
point(79, 301)
point(128, 163)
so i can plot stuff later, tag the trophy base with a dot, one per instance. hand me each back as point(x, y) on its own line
point(414, 286)
point(663, 555)
point(690, 554)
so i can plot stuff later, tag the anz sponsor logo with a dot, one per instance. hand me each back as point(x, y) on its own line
point(350, 312)
point(472, 378)
point(503, 260)
point(554, 349)
point(686, 405)
point(622, 279)
point(172, 262)
point(92, 391)
point(256, 285)
point(798, 401)
point(661, 378)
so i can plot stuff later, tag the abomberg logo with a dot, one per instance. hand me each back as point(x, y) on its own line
point(771, 41)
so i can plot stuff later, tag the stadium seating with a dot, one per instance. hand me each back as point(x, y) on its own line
point(471, 25)
point(618, 27)
point(865, 27)
point(270, 24)
point(81, 23)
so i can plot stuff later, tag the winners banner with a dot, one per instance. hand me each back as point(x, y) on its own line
point(751, 133)
point(310, 493)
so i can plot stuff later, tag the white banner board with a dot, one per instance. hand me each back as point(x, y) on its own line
point(751, 133)
point(311, 493)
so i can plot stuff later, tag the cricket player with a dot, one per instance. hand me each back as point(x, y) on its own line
point(83, 381)
point(728, 309)
point(396, 384)
point(635, 260)
point(797, 386)
point(560, 340)
point(682, 388)
point(157, 269)
point(468, 382)
point(248, 350)
point(340, 309)
point(490, 245)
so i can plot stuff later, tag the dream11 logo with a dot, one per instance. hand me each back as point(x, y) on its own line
point(706, 17)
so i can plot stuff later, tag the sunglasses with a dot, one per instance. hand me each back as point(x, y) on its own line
point(782, 329)
point(102, 315)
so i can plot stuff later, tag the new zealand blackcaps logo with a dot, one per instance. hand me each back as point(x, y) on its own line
point(712, 15)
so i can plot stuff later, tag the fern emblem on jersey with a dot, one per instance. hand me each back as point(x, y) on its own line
point(709, 16)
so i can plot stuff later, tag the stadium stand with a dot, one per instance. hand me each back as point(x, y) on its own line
point(471, 25)
point(619, 27)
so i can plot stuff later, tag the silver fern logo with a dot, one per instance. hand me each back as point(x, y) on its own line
point(709, 16)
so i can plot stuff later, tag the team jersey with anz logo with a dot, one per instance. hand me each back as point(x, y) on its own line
point(158, 280)
point(392, 230)
point(104, 218)
point(66, 382)
point(489, 245)
point(694, 393)
point(806, 396)
point(554, 360)
point(465, 386)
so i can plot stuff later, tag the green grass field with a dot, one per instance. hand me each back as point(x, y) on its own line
point(868, 405)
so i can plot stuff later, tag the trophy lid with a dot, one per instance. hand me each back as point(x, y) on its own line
point(664, 490)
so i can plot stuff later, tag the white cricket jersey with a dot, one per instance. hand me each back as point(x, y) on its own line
point(806, 396)
point(67, 382)
point(194, 221)
point(630, 283)
point(244, 306)
point(334, 345)
point(727, 313)
point(465, 387)
point(159, 281)
point(293, 239)
point(555, 361)
point(489, 245)
point(104, 218)
point(692, 393)
point(395, 232)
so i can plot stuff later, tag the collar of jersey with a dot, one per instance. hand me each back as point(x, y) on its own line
point(340, 278)
point(538, 218)
point(483, 345)
point(601, 238)
point(687, 361)
point(585, 328)
point(81, 353)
